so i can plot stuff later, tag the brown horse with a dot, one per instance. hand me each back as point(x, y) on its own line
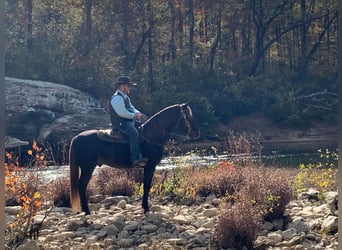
point(87, 151)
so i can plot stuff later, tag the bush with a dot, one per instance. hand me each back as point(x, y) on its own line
point(21, 187)
point(321, 175)
point(112, 181)
point(60, 192)
point(268, 188)
point(238, 225)
point(221, 180)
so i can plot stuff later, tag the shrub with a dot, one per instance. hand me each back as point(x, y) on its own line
point(262, 194)
point(60, 192)
point(169, 183)
point(243, 150)
point(268, 188)
point(112, 181)
point(23, 187)
point(238, 225)
point(221, 180)
point(183, 184)
point(321, 175)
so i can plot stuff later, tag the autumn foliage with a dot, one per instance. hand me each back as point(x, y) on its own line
point(22, 189)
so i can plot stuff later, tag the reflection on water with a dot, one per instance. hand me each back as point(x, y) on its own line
point(279, 159)
point(275, 159)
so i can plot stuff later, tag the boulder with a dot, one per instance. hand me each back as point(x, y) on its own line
point(11, 142)
point(49, 112)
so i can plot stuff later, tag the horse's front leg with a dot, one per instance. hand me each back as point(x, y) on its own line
point(148, 176)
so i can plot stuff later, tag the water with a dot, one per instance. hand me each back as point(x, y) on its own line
point(279, 159)
point(274, 159)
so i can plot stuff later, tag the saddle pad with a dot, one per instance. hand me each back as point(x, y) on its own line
point(109, 135)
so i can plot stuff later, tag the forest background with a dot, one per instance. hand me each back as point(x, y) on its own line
point(226, 58)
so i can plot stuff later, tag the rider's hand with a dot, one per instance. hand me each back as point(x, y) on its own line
point(138, 116)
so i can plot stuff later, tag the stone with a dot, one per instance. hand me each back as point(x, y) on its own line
point(131, 226)
point(91, 239)
point(149, 228)
point(299, 225)
point(117, 220)
point(331, 199)
point(210, 198)
point(181, 220)
point(200, 241)
point(49, 111)
point(310, 194)
point(278, 224)
point(210, 212)
point(102, 234)
point(289, 234)
point(155, 218)
point(111, 229)
point(122, 204)
point(29, 245)
point(274, 237)
point(126, 243)
point(95, 198)
point(330, 224)
point(216, 202)
point(65, 235)
point(73, 225)
point(180, 227)
point(114, 200)
point(177, 241)
point(268, 225)
point(13, 210)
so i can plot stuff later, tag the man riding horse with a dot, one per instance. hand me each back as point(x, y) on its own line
point(123, 114)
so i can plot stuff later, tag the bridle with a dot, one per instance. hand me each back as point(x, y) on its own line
point(186, 122)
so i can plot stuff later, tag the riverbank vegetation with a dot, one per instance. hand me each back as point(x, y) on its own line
point(246, 192)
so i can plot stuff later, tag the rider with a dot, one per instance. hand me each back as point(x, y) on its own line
point(123, 114)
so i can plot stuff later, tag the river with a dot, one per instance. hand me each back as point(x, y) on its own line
point(272, 159)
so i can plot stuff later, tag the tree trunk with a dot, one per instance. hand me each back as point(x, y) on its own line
point(216, 43)
point(314, 48)
point(150, 45)
point(88, 28)
point(125, 39)
point(29, 24)
point(172, 44)
point(191, 30)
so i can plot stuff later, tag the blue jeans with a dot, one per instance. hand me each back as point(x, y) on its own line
point(130, 130)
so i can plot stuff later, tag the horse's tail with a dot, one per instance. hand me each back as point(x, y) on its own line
point(74, 176)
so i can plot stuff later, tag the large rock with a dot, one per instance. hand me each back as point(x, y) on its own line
point(51, 112)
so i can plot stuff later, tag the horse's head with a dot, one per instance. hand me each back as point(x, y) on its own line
point(186, 122)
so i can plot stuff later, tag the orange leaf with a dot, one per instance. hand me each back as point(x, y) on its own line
point(38, 204)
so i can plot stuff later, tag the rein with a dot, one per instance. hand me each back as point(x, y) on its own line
point(181, 115)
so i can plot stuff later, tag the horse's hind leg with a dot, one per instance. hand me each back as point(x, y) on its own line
point(85, 177)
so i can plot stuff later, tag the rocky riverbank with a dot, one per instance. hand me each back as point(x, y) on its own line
point(118, 223)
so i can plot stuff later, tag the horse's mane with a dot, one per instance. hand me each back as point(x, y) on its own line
point(164, 110)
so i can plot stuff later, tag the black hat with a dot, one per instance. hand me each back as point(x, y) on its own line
point(124, 80)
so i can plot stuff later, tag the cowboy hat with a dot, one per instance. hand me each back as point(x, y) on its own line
point(124, 80)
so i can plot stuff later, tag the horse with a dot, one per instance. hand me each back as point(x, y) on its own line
point(87, 151)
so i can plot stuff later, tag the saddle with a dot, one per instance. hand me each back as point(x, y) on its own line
point(111, 135)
